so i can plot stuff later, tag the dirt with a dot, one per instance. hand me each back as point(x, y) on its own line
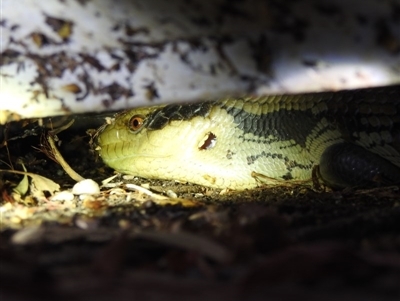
point(280, 243)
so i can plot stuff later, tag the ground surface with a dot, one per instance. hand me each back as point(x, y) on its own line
point(284, 243)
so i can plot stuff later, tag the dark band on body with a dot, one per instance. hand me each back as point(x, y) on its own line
point(161, 117)
point(283, 124)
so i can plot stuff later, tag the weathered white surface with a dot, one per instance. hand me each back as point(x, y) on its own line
point(94, 55)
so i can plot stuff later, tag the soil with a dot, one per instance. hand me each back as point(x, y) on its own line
point(279, 243)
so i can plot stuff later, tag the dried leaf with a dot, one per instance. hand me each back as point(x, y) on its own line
point(40, 182)
point(44, 184)
point(23, 186)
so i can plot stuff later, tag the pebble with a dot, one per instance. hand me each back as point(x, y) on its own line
point(65, 196)
point(87, 186)
point(171, 194)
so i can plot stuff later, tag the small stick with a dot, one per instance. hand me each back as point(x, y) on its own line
point(59, 158)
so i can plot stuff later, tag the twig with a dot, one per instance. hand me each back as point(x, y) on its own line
point(57, 155)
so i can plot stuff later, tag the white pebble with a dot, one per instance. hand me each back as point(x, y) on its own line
point(172, 194)
point(87, 186)
point(65, 196)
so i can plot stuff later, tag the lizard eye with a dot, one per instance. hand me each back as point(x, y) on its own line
point(136, 123)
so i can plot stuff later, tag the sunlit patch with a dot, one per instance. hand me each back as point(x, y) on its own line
point(209, 141)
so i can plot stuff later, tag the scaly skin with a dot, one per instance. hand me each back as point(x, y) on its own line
point(242, 143)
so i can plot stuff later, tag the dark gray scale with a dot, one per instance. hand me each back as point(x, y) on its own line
point(349, 165)
point(345, 164)
point(283, 124)
point(162, 116)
